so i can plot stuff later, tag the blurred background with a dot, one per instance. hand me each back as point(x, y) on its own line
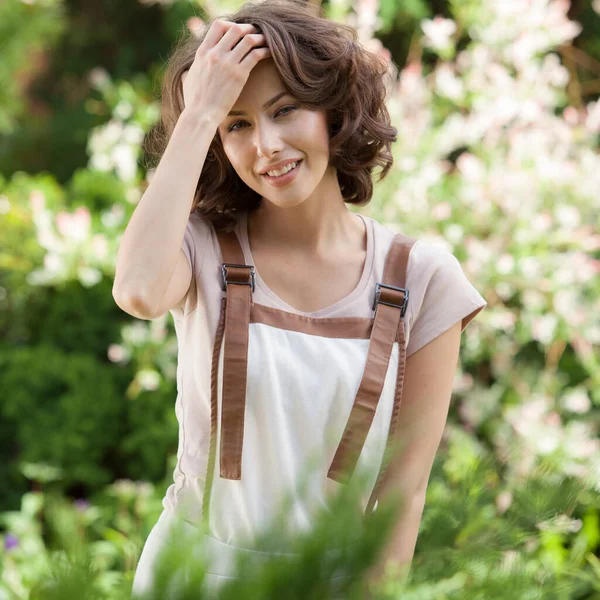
point(496, 106)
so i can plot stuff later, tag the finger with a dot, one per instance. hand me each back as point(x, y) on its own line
point(236, 33)
point(254, 56)
point(215, 32)
point(247, 45)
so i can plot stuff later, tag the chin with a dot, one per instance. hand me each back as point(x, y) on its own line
point(282, 203)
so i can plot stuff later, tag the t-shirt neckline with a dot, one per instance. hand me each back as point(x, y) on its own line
point(342, 303)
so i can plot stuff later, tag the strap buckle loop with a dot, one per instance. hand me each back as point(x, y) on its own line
point(377, 301)
point(224, 283)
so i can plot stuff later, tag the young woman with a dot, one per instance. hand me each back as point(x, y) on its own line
point(305, 330)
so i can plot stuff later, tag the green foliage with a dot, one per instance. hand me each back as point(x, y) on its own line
point(27, 30)
point(471, 545)
point(71, 414)
point(58, 341)
point(401, 16)
point(96, 190)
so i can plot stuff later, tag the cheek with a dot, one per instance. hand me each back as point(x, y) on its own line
point(235, 156)
point(314, 133)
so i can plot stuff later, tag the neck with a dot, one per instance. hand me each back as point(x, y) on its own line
point(313, 230)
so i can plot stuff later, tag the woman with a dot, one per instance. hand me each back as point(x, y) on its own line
point(306, 332)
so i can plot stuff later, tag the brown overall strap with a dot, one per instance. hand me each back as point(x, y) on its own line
point(390, 447)
point(238, 282)
point(390, 306)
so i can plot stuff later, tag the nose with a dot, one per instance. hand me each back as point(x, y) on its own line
point(267, 139)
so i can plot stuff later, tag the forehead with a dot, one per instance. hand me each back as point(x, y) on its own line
point(263, 83)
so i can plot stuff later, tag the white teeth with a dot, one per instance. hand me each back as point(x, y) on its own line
point(282, 171)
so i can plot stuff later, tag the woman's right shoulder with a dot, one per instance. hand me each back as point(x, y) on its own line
point(200, 227)
point(197, 219)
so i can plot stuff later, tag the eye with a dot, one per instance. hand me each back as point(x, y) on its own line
point(232, 126)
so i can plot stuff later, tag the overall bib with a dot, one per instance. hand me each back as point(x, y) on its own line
point(294, 398)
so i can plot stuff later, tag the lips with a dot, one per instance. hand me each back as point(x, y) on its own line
point(281, 165)
point(285, 179)
point(298, 162)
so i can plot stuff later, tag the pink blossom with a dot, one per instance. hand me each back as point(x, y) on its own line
point(195, 26)
point(117, 353)
point(503, 501)
point(74, 226)
point(100, 246)
point(441, 211)
point(37, 201)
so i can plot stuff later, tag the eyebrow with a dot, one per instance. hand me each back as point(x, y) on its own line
point(268, 103)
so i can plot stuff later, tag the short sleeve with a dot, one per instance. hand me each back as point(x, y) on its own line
point(440, 294)
point(195, 241)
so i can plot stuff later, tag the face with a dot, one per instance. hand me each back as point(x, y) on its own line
point(265, 135)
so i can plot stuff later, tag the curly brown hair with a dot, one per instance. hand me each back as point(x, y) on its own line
point(322, 65)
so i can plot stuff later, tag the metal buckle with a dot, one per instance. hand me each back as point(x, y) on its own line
point(224, 276)
point(402, 306)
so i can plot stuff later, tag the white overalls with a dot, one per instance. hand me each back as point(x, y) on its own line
point(294, 398)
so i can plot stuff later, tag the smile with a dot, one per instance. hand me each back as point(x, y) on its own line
point(284, 179)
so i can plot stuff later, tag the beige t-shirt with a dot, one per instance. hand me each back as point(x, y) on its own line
point(440, 296)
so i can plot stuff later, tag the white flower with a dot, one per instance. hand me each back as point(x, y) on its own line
point(447, 84)
point(530, 267)
point(149, 379)
point(438, 32)
point(99, 78)
point(568, 216)
point(135, 334)
point(541, 222)
point(566, 303)
point(561, 524)
point(543, 328)
point(125, 160)
point(577, 400)
point(471, 167)
point(503, 320)
point(89, 276)
point(592, 119)
point(454, 233)
point(123, 110)
point(533, 300)
point(505, 264)
point(53, 263)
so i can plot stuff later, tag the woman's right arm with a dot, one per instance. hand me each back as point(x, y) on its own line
point(149, 270)
point(152, 274)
